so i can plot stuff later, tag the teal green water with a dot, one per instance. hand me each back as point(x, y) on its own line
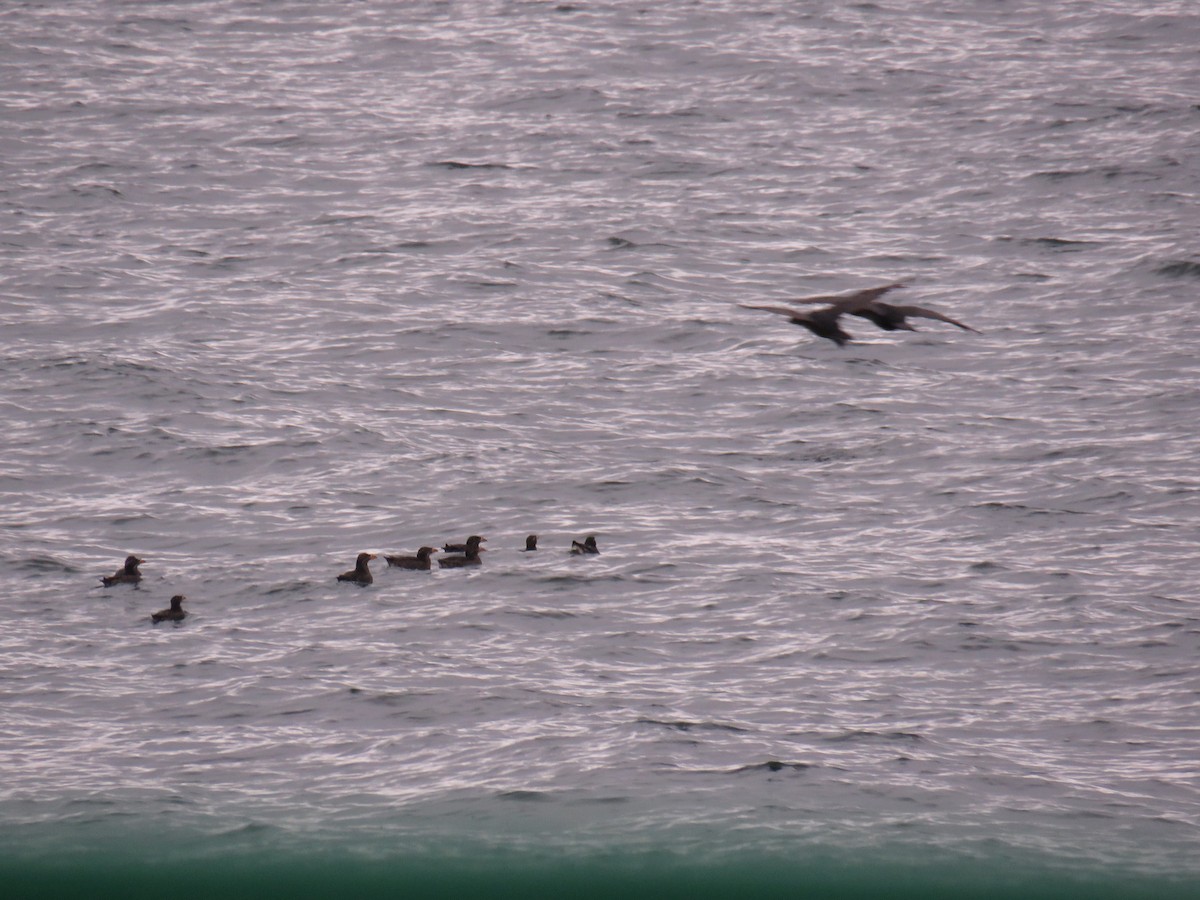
point(135, 874)
point(256, 861)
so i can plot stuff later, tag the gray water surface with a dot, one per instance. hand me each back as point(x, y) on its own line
point(284, 282)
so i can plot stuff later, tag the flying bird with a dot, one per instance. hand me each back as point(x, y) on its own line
point(821, 322)
point(888, 316)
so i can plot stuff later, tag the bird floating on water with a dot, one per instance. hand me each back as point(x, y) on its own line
point(128, 574)
point(469, 556)
point(462, 548)
point(530, 543)
point(587, 547)
point(174, 614)
point(420, 561)
point(361, 573)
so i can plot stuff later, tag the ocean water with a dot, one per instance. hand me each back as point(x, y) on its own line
point(284, 282)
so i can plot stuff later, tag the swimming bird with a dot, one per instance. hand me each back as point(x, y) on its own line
point(174, 614)
point(888, 316)
point(361, 573)
point(469, 557)
point(420, 561)
point(821, 322)
point(462, 548)
point(588, 546)
point(127, 575)
point(530, 543)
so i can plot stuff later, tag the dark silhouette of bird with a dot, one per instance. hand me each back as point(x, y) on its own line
point(821, 322)
point(469, 556)
point(888, 316)
point(128, 574)
point(587, 547)
point(361, 573)
point(462, 548)
point(420, 561)
point(530, 543)
point(174, 614)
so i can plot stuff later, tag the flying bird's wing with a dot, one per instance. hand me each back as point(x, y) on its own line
point(782, 310)
point(921, 313)
point(851, 302)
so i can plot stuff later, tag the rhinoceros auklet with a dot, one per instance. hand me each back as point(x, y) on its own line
point(821, 322)
point(174, 614)
point(420, 561)
point(127, 575)
point(530, 543)
point(888, 316)
point(361, 573)
point(469, 557)
point(588, 546)
point(474, 539)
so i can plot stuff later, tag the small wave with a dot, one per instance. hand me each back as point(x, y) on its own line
point(772, 765)
point(456, 164)
point(863, 735)
point(1053, 243)
point(1182, 268)
point(686, 725)
point(524, 796)
point(43, 564)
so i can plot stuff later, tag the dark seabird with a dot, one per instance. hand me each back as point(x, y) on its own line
point(128, 575)
point(588, 546)
point(174, 614)
point(469, 557)
point(530, 543)
point(463, 548)
point(361, 573)
point(888, 316)
point(420, 561)
point(821, 322)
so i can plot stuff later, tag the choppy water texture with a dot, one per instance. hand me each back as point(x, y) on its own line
point(284, 282)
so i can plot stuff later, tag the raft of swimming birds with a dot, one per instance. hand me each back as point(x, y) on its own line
point(458, 556)
point(823, 322)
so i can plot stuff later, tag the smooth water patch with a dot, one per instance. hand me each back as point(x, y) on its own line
point(488, 872)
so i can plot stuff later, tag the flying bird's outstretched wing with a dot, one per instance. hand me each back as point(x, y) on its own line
point(782, 310)
point(921, 312)
point(850, 302)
